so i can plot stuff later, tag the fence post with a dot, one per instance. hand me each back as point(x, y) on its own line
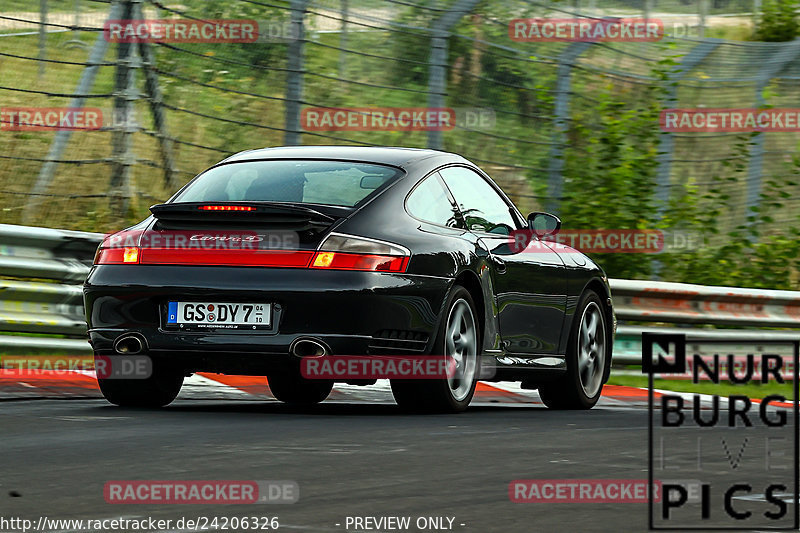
point(124, 123)
point(343, 40)
point(789, 53)
point(42, 37)
point(294, 76)
point(62, 137)
point(156, 99)
point(702, 15)
point(437, 71)
point(555, 171)
point(666, 140)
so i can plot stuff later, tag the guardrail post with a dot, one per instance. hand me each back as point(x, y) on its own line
point(437, 70)
point(555, 180)
point(294, 76)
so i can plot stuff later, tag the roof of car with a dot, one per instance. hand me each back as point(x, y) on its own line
point(396, 156)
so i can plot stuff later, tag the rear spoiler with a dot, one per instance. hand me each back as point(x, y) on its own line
point(237, 212)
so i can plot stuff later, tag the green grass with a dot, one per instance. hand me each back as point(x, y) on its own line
point(53, 6)
point(752, 390)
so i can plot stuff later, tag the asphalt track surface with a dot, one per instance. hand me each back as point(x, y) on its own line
point(350, 457)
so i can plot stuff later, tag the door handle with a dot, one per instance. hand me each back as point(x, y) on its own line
point(499, 264)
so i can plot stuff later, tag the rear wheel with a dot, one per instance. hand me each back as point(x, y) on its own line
point(459, 338)
point(587, 352)
point(292, 388)
point(159, 390)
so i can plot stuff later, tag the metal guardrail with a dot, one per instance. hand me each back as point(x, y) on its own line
point(683, 303)
point(45, 296)
point(42, 269)
point(628, 342)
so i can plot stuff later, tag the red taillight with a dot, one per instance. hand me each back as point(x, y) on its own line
point(117, 256)
point(119, 248)
point(226, 208)
point(349, 252)
point(364, 262)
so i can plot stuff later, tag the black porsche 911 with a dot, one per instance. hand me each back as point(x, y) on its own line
point(280, 254)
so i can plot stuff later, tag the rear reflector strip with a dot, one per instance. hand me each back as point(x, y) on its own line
point(265, 258)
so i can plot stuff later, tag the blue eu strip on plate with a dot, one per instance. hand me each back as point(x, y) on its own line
point(172, 313)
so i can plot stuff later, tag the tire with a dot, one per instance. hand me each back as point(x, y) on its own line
point(291, 388)
point(159, 390)
point(588, 349)
point(458, 336)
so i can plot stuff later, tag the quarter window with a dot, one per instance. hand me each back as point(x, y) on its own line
point(429, 202)
point(483, 208)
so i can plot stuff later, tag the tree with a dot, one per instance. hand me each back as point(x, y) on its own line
point(778, 21)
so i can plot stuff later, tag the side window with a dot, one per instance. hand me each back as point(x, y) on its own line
point(429, 202)
point(484, 210)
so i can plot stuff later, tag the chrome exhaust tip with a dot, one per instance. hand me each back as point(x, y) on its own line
point(308, 348)
point(129, 344)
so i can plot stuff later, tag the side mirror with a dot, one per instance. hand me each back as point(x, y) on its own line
point(543, 224)
point(372, 181)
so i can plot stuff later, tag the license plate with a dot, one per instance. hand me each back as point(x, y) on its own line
point(219, 315)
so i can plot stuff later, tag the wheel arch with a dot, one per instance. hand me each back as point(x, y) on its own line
point(470, 281)
point(599, 287)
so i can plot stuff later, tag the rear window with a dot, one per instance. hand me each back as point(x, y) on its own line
point(311, 182)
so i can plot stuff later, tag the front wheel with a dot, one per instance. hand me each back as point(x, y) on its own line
point(587, 352)
point(459, 339)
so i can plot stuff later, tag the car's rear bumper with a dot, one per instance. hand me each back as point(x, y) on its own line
point(352, 313)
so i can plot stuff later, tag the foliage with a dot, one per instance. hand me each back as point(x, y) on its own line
point(611, 165)
point(750, 254)
point(778, 21)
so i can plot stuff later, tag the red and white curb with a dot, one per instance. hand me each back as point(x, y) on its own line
point(21, 384)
